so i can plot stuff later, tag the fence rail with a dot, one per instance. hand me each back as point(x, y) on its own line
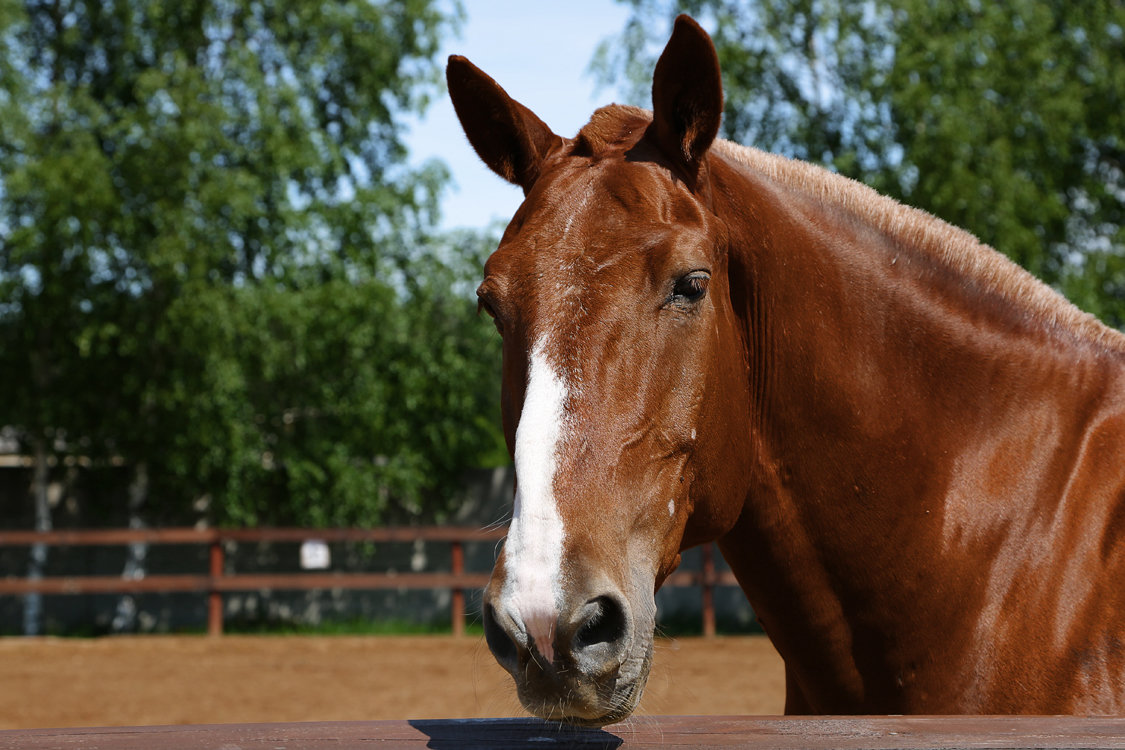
point(217, 581)
point(754, 732)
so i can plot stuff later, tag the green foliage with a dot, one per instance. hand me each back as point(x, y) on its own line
point(214, 261)
point(1011, 121)
point(1005, 119)
point(363, 405)
point(797, 74)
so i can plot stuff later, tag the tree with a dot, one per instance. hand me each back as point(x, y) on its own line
point(209, 238)
point(1010, 118)
point(364, 402)
point(801, 77)
point(1003, 119)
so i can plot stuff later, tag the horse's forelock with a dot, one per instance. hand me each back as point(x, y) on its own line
point(612, 126)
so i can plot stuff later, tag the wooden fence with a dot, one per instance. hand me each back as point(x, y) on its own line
point(218, 581)
point(665, 732)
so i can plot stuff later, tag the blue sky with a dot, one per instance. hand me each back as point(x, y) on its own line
point(539, 52)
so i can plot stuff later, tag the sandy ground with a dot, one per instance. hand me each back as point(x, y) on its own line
point(199, 680)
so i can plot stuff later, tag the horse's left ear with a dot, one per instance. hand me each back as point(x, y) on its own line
point(687, 96)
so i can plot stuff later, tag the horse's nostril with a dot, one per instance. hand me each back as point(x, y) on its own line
point(606, 623)
point(499, 640)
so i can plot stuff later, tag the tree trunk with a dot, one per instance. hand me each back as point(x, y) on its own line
point(125, 619)
point(33, 603)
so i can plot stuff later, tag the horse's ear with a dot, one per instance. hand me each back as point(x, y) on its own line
point(511, 140)
point(687, 96)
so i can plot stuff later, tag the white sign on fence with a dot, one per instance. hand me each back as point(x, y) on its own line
point(315, 555)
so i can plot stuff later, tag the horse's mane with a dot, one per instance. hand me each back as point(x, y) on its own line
point(946, 244)
point(949, 245)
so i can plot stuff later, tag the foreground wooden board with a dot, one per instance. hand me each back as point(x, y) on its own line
point(657, 731)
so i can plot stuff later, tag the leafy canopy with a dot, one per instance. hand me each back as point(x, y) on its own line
point(216, 264)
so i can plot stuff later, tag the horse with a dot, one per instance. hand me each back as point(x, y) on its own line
point(908, 449)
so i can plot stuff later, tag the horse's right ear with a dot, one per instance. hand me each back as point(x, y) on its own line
point(687, 96)
point(511, 140)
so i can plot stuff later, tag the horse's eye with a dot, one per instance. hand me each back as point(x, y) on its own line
point(482, 304)
point(690, 288)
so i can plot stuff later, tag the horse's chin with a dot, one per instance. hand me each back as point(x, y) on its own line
point(606, 701)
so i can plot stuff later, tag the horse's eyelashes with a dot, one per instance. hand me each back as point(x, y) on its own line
point(690, 288)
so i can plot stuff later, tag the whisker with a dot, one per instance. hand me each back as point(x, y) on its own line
point(499, 523)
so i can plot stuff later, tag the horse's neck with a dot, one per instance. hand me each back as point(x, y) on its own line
point(901, 421)
point(872, 356)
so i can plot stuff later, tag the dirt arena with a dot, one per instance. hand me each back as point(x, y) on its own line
point(199, 680)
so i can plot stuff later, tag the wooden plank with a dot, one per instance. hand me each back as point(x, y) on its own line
point(247, 582)
point(302, 581)
point(105, 585)
point(382, 534)
point(858, 733)
point(108, 537)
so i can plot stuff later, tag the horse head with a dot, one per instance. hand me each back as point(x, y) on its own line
point(625, 396)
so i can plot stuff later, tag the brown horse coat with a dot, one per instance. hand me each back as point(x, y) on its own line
point(909, 450)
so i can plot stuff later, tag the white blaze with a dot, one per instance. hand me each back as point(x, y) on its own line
point(533, 550)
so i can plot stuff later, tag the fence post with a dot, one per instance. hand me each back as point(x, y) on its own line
point(707, 584)
point(214, 596)
point(457, 602)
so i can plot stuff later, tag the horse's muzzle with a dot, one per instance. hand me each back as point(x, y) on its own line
point(590, 671)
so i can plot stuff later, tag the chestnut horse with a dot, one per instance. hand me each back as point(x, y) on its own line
point(908, 449)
